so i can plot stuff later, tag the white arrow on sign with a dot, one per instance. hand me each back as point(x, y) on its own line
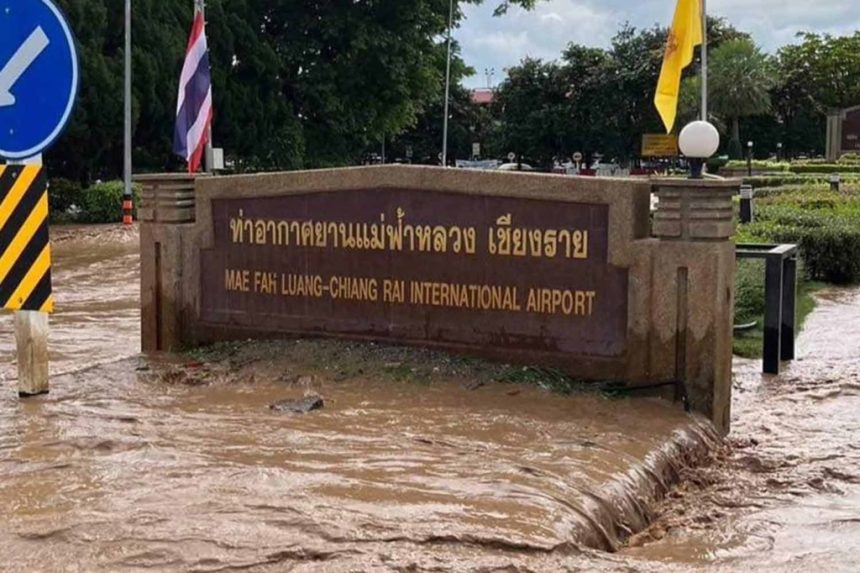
point(20, 62)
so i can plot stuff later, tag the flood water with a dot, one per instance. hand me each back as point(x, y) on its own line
point(179, 465)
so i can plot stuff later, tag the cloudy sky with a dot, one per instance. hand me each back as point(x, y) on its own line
point(498, 43)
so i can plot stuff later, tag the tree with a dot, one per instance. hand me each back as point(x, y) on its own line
point(739, 82)
point(824, 70)
point(531, 105)
point(296, 83)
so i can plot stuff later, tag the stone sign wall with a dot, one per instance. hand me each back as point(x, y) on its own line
point(537, 269)
point(851, 131)
point(409, 265)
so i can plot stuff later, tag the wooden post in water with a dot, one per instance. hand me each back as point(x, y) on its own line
point(31, 338)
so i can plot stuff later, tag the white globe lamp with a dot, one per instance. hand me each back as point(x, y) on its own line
point(698, 141)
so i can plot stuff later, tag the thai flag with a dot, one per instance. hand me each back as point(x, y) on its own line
point(194, 105)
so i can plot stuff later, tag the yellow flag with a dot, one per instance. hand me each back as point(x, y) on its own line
point(685, 35)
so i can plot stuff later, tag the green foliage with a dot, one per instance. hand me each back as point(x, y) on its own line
point(830, 246)
point(825, 168)
point(826, 226)
point(759, 165)
point(814, 199)
point(799, 167)
point(794, 179)
point(734, 149)
point(102, 203)
point(825, 69)
point(591, 101)
point(300, 84)
point(850, 159)
point(749, 296)
point(296, 84)
point(62, 194)
point(740, 79)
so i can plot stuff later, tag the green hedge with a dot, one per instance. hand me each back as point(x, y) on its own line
point(811, 198)
point(102, 203)
point(847, 159)
point(824, 224)
point(779, 180)
point(831, 251)
point(825, 168)
point(758, 165)
point(848, 164)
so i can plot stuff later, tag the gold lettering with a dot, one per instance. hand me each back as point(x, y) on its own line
point(354, 288)
point(393, 291)
point(580, 303)
point(265, 283)
point(302, 285)
point(564, 302)
point(236, 280)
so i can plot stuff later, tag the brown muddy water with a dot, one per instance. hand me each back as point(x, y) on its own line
point(178, 464)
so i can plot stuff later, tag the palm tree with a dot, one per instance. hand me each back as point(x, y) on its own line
point(739, 83)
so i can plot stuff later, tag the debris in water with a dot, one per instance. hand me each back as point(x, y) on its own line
point(303, 406)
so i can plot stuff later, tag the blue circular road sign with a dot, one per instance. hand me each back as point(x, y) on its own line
point(38, 76)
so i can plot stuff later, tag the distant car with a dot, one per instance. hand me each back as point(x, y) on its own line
point(515, 167)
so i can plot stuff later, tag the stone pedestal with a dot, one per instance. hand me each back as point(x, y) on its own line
point(693, 290)
point(166, 213)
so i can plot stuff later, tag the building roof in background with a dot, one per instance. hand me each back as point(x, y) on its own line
point(483, 96)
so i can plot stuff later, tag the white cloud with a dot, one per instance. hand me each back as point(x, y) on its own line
point(544, 32)
point(498, 43)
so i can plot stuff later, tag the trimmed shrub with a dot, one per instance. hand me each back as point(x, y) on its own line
point(102, 203)
point(829, 239)
point(779, 180)
point(62, 194)
point(825, 168)
point(759, 165)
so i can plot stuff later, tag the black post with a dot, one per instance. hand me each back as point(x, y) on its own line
point(789, 307)
point(747, 204)
point(773, 313)
point(749, 158)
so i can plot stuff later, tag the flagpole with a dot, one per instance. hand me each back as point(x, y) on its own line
point(207, 153)
point(447, 89)
point(704, 61)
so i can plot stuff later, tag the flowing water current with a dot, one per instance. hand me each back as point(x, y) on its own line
point(179, 464)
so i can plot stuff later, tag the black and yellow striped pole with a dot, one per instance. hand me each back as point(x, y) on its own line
point(25, 269)
point(25, 248)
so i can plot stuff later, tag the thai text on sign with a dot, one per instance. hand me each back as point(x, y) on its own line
point(419, 266)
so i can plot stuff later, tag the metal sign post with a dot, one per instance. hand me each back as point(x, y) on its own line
point(127, 197)
point(38, 86)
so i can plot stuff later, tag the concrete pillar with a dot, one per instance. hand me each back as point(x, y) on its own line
point(167, 215)
point(693, 291)
point(834, 135)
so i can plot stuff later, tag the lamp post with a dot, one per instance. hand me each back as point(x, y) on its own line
point(779, 151)
point(127, 196)
point(698, 141)
point(749, 157)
